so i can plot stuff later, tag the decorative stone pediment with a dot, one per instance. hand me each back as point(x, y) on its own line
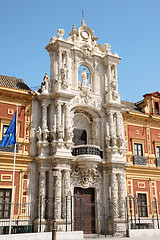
point(85, 39)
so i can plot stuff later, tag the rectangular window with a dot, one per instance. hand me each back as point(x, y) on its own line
point(142, 205)
point(157, 108)
point(5, 127)
point(138, 149)
point(158, 151)
point(5, 203)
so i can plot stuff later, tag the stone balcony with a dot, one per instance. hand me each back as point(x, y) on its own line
point(87, 153)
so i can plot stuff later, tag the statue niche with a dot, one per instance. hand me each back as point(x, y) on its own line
point(84, 84)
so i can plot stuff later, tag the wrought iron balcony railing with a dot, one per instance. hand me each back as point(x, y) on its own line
point(139, 160)
point(86, 149)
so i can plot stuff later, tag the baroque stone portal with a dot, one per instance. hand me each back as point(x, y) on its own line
point(77, 139)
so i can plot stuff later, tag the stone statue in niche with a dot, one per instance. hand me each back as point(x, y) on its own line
point(39, 134)
point(85, 90)
point(64, 77)
point(84, 78)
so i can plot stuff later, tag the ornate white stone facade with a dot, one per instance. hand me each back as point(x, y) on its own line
point(90, 103)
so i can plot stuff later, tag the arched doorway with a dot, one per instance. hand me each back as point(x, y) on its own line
point(84, 210)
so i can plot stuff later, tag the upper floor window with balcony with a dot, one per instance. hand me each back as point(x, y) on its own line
point(139, 159)
point(138, 149)
point(157, 108)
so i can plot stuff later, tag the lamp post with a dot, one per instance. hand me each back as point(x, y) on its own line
point(55, 174)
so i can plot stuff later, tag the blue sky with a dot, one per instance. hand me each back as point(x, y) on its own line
point(132, 28)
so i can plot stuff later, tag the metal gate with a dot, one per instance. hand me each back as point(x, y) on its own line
point(141, 215)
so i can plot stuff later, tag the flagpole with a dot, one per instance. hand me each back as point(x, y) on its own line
point(10, 224)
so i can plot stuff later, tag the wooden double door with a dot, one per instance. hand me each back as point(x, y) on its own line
point(84, 210)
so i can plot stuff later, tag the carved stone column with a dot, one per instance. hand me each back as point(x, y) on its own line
point(60, 61)
point(109, 73)
point(66, 191)
point(122, 193)
point(42, 193)
point(58, 194)
point(44, 115)
point(50, 194)
point(116, 76)
point(111, 126)
point(75, 72)
point(52, 113)
point(58, 114)
point(95, 131)
point(67, 117)
point(67, 59)
point(118, 125)
point(114, 195)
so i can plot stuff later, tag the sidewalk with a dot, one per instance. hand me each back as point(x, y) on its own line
point(102, 237)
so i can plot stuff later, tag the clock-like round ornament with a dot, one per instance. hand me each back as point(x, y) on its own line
point(85, 34)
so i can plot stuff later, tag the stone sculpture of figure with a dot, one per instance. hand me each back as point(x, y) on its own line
point(53, 132)
point(64, 76)
point(106, 47)
point(45, 133)
point(45, 83)
point(39, 134)
point(84, 78)
point(107, 141)
point(60, 33)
